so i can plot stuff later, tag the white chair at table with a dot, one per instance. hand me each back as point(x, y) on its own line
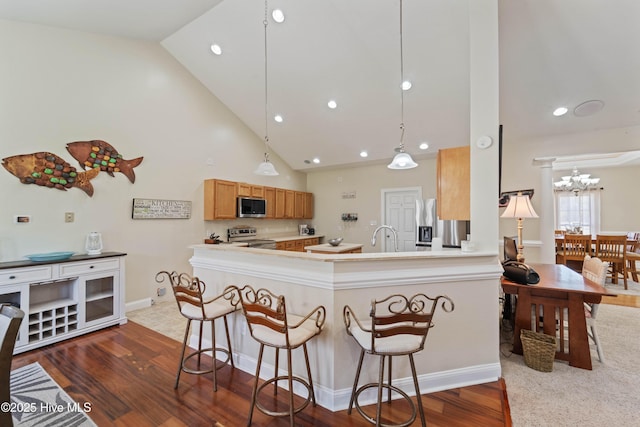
point(595, 270)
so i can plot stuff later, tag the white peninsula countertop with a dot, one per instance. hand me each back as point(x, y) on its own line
point(340, 249)
point(462, 349)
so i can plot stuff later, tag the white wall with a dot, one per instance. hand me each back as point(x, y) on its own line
point(60, 86)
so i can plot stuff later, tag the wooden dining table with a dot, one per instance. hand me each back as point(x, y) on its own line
point(558, 299)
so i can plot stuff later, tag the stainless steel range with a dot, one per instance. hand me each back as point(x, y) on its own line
point(248, 235)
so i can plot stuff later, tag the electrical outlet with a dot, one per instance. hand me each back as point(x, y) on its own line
point(162, 291)
point(69, 217)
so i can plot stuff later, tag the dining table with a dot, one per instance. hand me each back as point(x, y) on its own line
point(557, 300)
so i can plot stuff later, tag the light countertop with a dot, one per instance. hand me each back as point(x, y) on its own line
point(326, 247)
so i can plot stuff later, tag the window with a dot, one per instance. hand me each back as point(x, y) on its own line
point(578, 211)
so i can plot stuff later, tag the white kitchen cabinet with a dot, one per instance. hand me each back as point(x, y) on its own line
point(64, 299)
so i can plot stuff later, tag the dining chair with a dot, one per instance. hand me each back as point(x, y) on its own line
point(575, 247)
point(611, 248)
point(632, 255)
point(595, 270)
point(397, 326)
point(10, 320)
point(192, 304)
point(271, 325)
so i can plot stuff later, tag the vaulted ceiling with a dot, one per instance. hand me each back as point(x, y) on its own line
point(552, 53)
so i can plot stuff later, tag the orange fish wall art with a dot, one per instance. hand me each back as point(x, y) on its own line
point(49, 170)
point(102, 155)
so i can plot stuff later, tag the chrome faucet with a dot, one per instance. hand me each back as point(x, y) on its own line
point(393, 231)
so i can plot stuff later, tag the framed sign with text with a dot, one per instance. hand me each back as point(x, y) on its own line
point(160, 209)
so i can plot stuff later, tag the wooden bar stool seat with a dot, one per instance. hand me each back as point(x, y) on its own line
point(398, 326)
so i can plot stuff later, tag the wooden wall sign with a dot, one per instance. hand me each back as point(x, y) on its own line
point(161, 209)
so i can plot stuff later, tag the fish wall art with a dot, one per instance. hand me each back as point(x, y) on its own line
point(102, 155)
point(49, 170)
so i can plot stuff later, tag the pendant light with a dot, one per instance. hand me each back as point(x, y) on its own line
point(266, 168)
point(402, 160)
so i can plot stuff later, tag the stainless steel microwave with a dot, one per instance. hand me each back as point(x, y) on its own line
point(251, 208)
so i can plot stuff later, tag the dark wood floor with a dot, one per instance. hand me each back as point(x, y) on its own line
point(127, 374)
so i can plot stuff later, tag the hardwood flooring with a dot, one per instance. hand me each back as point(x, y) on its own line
point(127, 373)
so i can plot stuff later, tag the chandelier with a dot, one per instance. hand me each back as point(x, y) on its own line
point(576, 182)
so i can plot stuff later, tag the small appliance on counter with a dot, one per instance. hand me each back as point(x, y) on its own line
point(304, 230)
point(93, 244)
point(311, 231)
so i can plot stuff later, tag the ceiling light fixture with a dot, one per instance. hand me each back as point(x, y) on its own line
point(402, 160)
point(278, 118)
point(364, 154)
point(316, 160)
point(266, 168)
point(278, 16)
point(215, 48)
point(424, 146)
point(406, 85)
point(577, 182)
point(332, 104)
point(560, 111)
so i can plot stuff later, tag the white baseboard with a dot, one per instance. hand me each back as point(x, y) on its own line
point(136, 305)
point(338, 400)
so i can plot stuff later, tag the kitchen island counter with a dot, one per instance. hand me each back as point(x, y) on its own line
point(462, 349)
point(342, 248)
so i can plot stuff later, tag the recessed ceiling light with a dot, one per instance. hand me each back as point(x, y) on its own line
point(406, 85)
point(216, 49)
point(278, 118)
point(560, 111)
point(424, 146)
point(278, 16)
point(316, 160)
point(364, 154)
point(332, 104)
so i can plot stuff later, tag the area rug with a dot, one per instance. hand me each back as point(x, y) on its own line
point(37, 400)
point(567, 396)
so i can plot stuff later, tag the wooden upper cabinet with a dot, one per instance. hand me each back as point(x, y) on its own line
point(270, 197)
point(454, 184)
point(308, 206)
point(219, 199)
point(250, 190)
point(280, 203)
point(289, 204)
point(298, 204)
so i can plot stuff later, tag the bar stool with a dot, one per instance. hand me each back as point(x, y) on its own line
point(271, 325)
point(188, 292)
point(398, 326)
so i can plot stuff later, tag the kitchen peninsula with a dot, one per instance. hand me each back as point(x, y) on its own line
point(461, 350)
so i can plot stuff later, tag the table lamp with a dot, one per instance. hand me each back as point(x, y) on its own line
point(519, 207)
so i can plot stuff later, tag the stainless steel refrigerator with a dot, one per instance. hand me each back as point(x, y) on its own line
point(428, 226)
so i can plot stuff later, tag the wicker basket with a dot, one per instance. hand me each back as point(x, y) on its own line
point(538, 349)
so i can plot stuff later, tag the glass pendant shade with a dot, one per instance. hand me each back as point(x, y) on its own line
point(266, 168)
point(402, 160)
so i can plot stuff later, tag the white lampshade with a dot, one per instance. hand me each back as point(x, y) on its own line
point(402, 160)
point(266, 168)
point(519, 207)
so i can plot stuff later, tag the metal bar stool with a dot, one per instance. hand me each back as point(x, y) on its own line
point(271, 325)
point(398, 326)
point(188, 292)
